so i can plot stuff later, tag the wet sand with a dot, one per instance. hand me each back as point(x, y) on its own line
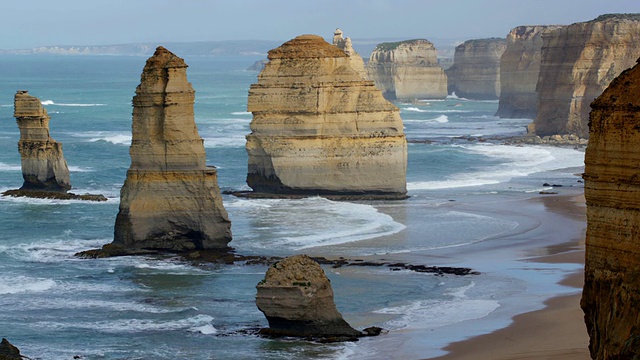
point(555, 332)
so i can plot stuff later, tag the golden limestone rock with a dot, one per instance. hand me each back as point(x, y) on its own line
point(578, 63)
point(43, 165)
point(345, 45)
point(612, 189)
point(297, 299)
point(475, 73)
point(407, 70)
point(519, 69)
point(319, 128)
point(170, 199)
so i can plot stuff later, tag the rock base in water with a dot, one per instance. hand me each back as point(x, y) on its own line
point(41, 194)
point(8, 351)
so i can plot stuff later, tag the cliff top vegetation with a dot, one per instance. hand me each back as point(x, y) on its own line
point(388, 46)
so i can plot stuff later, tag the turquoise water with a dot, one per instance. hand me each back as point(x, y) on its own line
point(55, 306)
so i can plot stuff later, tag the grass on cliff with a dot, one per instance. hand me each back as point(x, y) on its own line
point(388, 46)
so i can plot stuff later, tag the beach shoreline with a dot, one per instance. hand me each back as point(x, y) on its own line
point(555, 332)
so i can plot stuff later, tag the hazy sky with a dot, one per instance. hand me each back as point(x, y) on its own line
point(32, 23)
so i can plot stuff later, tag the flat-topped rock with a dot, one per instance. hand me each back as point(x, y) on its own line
point(170, 200)
point(319, 128)
point(407, 70)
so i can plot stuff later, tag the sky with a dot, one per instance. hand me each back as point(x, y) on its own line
point(26, 24)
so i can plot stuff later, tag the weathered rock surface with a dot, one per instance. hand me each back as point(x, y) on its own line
point(43, 165)
point(345, 45)
point(170, 199)
point(519, 70)
point(297, 299)
point(578, 63)
point(407, 70)
point(612, 189)
point(475, 73)
point(8, 351)
point(319, 128)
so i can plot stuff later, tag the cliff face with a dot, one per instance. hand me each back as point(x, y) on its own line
point(612, 189)
point(519, 70)
point(407, 70)
point(475, 73)
point(170, 199)
point(43, 164)
point(297, 299)
point(578, 63)
point(320, 128)
point(345, 45)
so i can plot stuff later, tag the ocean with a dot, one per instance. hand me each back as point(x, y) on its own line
point(463, 205)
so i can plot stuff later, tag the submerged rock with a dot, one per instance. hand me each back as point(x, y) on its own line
point(43, 165)
point(475, 73)
point(578, 63)
point(297, 299)
point(170, 200)
point(319, 128)
point(610, 296)
point(407, 70)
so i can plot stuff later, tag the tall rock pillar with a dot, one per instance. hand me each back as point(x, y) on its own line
point(170, 199)
point(43, 165)
point(612, 189)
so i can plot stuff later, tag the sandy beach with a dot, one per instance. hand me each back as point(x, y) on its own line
point(555, 332)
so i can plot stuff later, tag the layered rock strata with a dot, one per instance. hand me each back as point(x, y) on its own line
point(345, 45)
point(519, 70)
point(475, 73)
point(319, 128)
point(578, 63)
point(297, 299)
point(407, 70)
point(43, 165)
point(170, 199)
point(612, 190)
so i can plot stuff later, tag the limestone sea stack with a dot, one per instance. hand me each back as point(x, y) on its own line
point(345, 45)
point(297, 299)
point(170, 200)
point(578, 63)
point(475, 73)
point(612, 190)
point(519, 70)
point(407, 70)
point(319, 128)
point(43, 165)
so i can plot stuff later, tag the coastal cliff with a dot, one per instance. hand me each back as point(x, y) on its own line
point(43, 165)
point(612, 190)
point(319, 128)
point(519, 70)
point(475, 73)
point(345, 45)
point(170, 199)
point(407, 70)
point(578, 63)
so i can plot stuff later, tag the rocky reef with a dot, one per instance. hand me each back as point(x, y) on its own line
point(170, 200)
point(578, 63)
point(475, 73)
point(43, 165)
point(9, 352)
point(612, 189)
point(297, 299)
point(519, 70)
point(319, 128)
point(407, 70)
point(345, 45)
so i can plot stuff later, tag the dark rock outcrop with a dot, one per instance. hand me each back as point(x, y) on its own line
point(8, 351)
point(319, 128)
point(578, 63)
point(297, 299)
point(612, 190)
point(475, 73)
point(43, 165)
point(519, 70)
point(170, 200)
